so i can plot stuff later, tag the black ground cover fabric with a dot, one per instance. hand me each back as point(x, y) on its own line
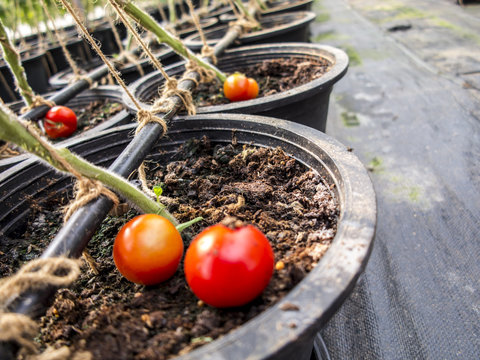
point(409, 107)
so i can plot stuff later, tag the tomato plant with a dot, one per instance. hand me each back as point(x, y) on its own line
point(148, 249)
point(238, 87)
point(228, 267)
point(60, 121)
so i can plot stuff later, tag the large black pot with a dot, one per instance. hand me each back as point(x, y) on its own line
point(75, 47)
point(285, 27)
point(271, 334)
point(37, 72)
point(110, 93)
point(306, 104)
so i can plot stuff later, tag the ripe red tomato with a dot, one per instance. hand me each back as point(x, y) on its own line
point(226, 267)
point(60, 121)
point(148, 249)
point(238, 87)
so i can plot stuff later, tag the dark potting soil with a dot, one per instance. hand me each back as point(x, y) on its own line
point(95, 113)
point(273, 76)
point(233, 184)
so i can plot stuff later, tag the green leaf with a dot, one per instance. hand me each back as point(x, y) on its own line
point(157, 189)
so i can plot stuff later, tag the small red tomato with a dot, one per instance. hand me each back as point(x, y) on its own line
point(226, 267)
point(238, 87)
point(148, 249)
point(60, 121)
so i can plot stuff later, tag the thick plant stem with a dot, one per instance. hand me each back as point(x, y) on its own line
point(15, 131)
point(165, 37)
point(13, 60)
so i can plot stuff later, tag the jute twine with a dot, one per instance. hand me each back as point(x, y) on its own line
point(21, 329)
point(142, 116)
point(207, 51)
point(77, 72)
point(37, 100)
point(123, 54)
point(243, 22)
point(171, 85)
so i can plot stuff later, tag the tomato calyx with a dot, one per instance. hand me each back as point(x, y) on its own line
point(238, 87)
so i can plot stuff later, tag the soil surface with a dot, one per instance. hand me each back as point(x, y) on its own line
point(273, 76)
point(233, 184)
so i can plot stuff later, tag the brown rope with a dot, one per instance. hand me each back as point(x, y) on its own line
point(97, 49)
point(36, 274)
point(21, 329)
point(242, 21)
point(87, 190)
point(170, 88)
point(206, 75)
point(207, 51)
point(76, 70)
point(37, 100)
point(143, 179)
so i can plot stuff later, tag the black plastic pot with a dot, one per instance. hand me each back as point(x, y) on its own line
point(279, 28)
point(75, 47)
point(271, 334)
point(111, 93)
point(37, 72)
point(306, 104)
point(129, 72)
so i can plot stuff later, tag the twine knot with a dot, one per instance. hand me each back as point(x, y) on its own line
point(145, 116)
point(36, 274)
point(87, 190)
point(37, 100)
point(209, 52)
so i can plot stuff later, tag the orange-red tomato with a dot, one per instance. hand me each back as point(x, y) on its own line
point(148, 249)
point(60, 121)
point(229, 267)
point(238, 87)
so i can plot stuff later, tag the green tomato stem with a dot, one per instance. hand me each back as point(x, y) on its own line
point(185, 225)
point(12, 58)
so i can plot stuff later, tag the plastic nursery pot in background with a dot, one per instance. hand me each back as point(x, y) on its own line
point(37, 71)
point(75, 47)
point(306, 104)
point(288, 27)
point(316, 297)
point(109, 94)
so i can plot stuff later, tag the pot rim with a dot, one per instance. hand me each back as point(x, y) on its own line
point(336, 56)
point(283, 6)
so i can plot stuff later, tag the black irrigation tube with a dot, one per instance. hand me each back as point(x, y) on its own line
point(75, 234)
point(67, 93)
